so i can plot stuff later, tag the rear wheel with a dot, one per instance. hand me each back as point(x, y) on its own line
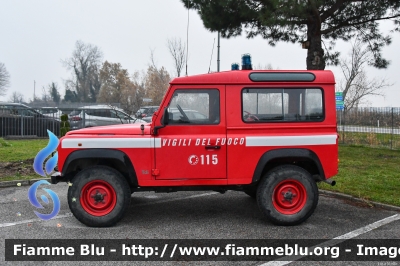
point(99, 196)
point(287, 195)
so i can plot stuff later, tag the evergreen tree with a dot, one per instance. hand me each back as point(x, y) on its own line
point(70, 96)
point(53, 91)
point(315, 23)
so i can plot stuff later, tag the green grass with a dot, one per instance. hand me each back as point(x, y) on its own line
point(368, 173)
point(17, 152)
point(20, 150)
point(377, 140)
point(364, 172)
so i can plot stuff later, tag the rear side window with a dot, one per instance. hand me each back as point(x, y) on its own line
point(279, 104)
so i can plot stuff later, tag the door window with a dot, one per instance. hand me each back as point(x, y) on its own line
point(194, 107)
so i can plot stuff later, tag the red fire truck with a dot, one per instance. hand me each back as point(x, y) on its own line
point(269, 133)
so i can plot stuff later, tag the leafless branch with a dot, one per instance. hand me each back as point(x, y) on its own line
point(356, 85)
point(177, 51)
point(16, 97)
point(4, 79)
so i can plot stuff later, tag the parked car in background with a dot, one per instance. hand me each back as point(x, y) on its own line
point(99, 115)
point(18, 119)
point(192, 116)
point(52, 112)
point(146, 112)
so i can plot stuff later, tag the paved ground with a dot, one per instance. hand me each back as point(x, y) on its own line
point(193, 215)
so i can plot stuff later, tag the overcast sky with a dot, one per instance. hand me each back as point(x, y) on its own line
point(36, 35)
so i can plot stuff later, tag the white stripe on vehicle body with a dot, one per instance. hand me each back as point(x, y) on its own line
point(291, 140)
point(116, 143)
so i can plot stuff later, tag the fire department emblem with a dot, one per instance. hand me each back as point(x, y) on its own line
point(193, 159)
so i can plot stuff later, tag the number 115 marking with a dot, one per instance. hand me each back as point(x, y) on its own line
point(205, 159)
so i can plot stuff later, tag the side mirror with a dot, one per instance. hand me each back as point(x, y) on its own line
point(165, 118)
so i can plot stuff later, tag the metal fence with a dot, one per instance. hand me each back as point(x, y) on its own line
point(371, 126)
point(19, 121)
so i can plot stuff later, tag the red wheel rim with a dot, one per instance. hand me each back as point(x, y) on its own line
point(289, 197)
point(98, 198)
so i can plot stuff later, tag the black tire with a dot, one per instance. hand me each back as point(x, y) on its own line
point(287, 195)
point(99, 196)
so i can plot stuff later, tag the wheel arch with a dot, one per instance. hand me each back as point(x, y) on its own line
point(304, 158)
point(116, 159)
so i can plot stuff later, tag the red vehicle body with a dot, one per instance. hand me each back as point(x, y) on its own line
point(271, 134)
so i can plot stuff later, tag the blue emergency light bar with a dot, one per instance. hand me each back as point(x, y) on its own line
point(235, 66)
point(246, 62)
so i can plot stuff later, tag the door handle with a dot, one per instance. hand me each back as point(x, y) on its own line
point(213, 147)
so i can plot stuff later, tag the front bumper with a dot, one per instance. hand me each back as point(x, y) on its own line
point(56, 177)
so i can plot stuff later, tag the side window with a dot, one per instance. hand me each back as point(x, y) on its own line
point(25, 112)
point(271, 105)
point(101, 112)
point(195, 107)
point(117, 114)
point(90, 112)
point(5, 110)
point(113, 114)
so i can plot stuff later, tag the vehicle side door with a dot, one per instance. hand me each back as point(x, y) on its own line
point(193, 146)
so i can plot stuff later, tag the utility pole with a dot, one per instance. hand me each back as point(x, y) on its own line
point(34, 88)
point(187, 40)
point(218, 53)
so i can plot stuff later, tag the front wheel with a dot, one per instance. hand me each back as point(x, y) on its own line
point(287, 195)
point(99, 196)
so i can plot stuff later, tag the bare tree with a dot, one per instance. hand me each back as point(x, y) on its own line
point(156, 86)
point(45, 95)
point(356, 86)
point(264, 67)
point(157, 81)
point(85, 66)
point(4, 79)
point(139, 91)
point(117, 86)
point(16, 97)
point(177, 50)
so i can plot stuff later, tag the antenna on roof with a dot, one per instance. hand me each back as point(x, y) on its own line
point(212, 51)
point(218, 52)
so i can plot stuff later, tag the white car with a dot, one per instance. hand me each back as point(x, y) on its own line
point(99, 115)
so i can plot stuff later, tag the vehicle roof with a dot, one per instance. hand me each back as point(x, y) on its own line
point(98, 106)
point(101, 106)
point(242, 77)
point(149, 106)
point(16, 104)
